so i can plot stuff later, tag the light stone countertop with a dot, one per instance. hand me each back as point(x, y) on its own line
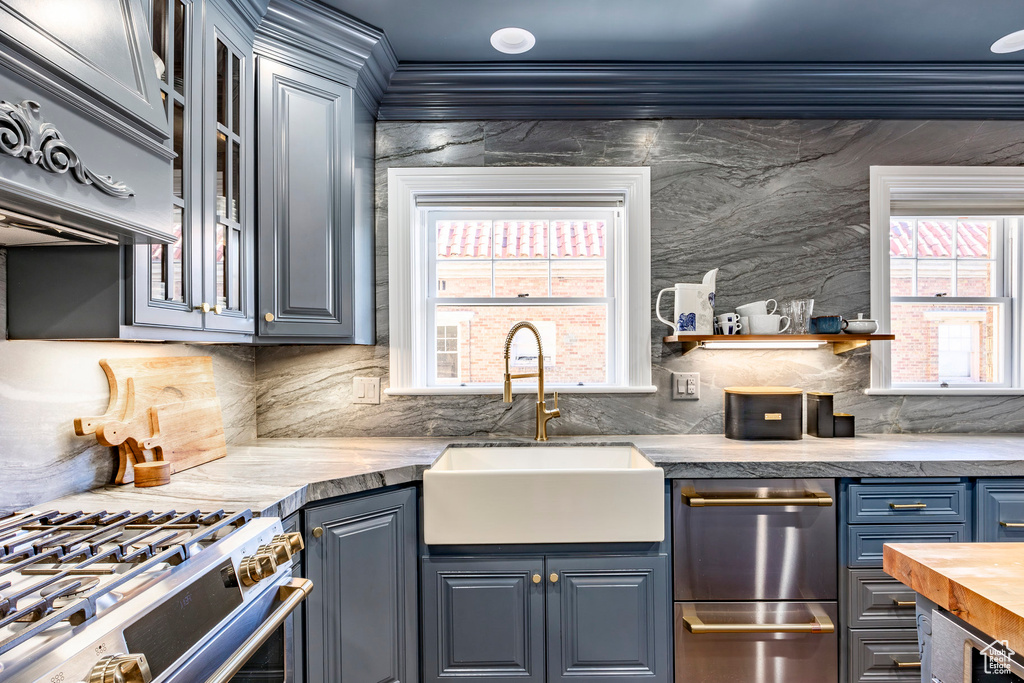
point(279, 476)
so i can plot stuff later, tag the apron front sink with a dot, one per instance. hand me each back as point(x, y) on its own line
point(543, 494)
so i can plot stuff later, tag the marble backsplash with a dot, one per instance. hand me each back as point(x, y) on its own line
point(44, 385)
point(780, 206)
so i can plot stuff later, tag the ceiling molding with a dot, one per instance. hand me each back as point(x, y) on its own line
point(709, 90)
point(310, 36)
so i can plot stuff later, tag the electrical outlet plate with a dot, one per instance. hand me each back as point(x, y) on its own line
point(366, 390)
point(686, 386)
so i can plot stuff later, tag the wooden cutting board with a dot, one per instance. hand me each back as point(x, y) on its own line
point(159, 408)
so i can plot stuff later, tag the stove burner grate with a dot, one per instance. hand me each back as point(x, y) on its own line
point(54, 566)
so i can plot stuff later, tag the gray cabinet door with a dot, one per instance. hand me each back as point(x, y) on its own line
point(608, 619)
point(483, 619)
point(305, 204)
point(228, 123)
point(1000, 510)
point(362, 616)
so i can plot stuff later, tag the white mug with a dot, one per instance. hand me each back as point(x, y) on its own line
point(729, 323)
point(757, 308)
point(768, 324)
point(744, 324)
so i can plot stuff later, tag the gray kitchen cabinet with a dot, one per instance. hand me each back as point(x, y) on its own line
point(1000, 510)
point(588, 617)
point(361, 618)
point(204, 280)
point(878, 614)
point(200, 287)
point(608, 619)
point(315, 199)
point(483, 618)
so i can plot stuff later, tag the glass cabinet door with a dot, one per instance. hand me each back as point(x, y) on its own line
point(228, 240)
point(166, 285)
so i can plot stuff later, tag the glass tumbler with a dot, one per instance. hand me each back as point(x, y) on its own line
point(800, 311)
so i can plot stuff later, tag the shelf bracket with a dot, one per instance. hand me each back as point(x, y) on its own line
point(845, 346)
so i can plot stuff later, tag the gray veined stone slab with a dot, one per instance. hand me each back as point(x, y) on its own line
point(781, 206)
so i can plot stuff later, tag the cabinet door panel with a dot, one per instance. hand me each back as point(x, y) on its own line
point(306, 210)
point(1000, 510)
point(361, 616)
point(228, 218)
point(608, 618)
point(483, 619)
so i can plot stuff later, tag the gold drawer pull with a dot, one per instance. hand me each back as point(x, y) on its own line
point(1012, 525)
point(697, 500)
point(536, 578)
point(553, 577)
point(821, 624)
point(906, 665)
point(908, 506)
point(904, 603)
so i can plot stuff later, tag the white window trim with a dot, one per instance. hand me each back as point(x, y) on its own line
point(998, 185)
point(407, 263)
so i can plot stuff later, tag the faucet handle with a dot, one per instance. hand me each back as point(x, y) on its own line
point(556, 400)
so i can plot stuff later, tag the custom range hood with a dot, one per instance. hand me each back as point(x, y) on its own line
point(83, 153)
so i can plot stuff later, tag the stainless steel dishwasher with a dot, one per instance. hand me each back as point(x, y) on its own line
point(755, 581)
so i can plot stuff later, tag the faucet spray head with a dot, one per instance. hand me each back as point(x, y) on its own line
point(507, 394)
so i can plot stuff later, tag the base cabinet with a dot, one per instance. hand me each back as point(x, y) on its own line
point(361, 618)
point(547, 618)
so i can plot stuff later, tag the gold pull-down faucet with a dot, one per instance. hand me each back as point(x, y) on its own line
point(543, 414)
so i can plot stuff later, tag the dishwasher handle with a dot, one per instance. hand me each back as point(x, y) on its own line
point(811, 499)
point(821, 624)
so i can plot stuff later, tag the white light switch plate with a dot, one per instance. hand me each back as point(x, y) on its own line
point(366, 389)
point(686, 386)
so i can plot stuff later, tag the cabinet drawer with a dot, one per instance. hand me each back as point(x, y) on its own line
point(874, 597)
point(865, 541)
point(898, 504)
point(875, 656)
point(1000, 510)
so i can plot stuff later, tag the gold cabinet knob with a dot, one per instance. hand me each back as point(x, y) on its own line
point(269, 317)
point(536, 578)
point(218, 309)
point(553, 577)
point(204, 307)
point(318, 532)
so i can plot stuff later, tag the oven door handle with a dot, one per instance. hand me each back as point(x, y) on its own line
point(821, 624)
point(290, 594)
point(698, 500)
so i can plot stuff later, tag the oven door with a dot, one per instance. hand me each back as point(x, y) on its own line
point(250, 639)
point(962, 654)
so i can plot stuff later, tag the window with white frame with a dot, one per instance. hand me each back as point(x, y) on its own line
point(946, 282)
point(473, 251)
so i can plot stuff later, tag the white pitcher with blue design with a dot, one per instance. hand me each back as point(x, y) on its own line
point(695, 306)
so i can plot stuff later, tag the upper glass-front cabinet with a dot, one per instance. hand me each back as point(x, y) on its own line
point(227, 263)
point(204, 280)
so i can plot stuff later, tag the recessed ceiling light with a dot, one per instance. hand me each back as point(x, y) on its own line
point(1010, 43)
point(512, 41)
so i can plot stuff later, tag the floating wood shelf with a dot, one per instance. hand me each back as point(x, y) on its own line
point(841, 343)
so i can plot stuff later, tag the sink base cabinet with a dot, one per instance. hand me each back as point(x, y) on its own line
point(483, 618)
point(547, 618)
point(361, 619)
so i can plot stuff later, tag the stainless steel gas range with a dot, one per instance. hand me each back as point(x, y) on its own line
point(129, 597)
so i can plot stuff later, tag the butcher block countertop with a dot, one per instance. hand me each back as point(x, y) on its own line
point(982, 583)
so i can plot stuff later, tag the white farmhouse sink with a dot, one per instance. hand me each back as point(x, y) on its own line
point(543, 494)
